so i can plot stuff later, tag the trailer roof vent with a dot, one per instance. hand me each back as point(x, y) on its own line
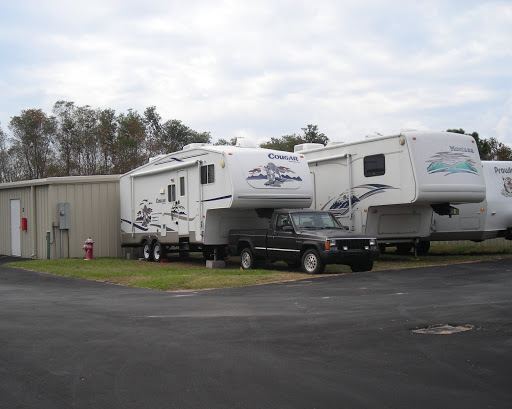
point(334, 143)
point(154, 158)
point(194, 145)
point(307, 147)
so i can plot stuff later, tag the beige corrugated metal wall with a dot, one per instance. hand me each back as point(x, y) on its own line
point(94, 212)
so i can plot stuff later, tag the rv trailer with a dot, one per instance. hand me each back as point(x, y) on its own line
point(485, 220)
point(190, 200)
point(388, 186)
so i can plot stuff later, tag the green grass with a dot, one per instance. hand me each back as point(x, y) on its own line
point(192, 274)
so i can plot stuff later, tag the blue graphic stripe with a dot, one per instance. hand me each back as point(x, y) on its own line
point(274, 198)
point(217, 198)
point(136, 225)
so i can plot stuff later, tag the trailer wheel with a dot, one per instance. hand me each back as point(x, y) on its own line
point(423, 247)
point(404, 248)
point(247, 259)
point(146, 251)
point(157, 252)
point(360, 266)
point(312, 263)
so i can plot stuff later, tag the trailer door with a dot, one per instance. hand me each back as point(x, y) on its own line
point(183, 228)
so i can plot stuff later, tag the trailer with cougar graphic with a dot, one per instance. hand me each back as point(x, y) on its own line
point(389, 186)
point(190, 200)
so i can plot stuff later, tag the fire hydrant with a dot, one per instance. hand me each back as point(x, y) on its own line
point(88, 246)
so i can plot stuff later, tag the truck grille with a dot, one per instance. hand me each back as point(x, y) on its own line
point(352, 244)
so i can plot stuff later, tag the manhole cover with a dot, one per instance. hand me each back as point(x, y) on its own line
point(443, 329)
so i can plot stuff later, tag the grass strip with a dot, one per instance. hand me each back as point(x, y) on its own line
point(193, 275)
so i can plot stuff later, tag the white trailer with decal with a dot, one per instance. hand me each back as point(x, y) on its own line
point(485, 220)
point(388, 186)
point(190, 200)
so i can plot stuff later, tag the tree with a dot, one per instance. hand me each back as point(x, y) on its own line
point(175, 135)
point(154, 130)
point(224, 142)
point(287, 142)
point(33, 133)
point(489, 149)
point(129, 143)
point(66, 136)
point(4, 158)
point(106, 134)
point(86, 120)
point(498, 151)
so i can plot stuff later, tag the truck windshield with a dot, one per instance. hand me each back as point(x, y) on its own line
point(316, 220)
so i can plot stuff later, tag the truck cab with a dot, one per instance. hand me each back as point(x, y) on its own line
point(308, 238)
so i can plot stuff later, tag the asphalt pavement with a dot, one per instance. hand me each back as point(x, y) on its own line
point(343, 341)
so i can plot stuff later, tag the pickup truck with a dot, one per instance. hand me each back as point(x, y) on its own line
point(308, 238)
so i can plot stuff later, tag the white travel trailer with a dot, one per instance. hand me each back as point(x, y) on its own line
point(485, 220)
point(388, 186)
point(189, 200)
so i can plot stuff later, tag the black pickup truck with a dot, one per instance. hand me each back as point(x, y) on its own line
point(308, 238)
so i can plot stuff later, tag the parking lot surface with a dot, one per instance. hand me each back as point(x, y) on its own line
point(346, 341)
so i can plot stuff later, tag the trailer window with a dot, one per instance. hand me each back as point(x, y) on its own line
point(374, 165)
point(182, 185)
point(207, 174)
point(171, 193)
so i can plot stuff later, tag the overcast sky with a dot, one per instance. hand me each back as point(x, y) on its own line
point(266, 68)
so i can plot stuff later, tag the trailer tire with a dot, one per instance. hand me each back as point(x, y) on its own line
point(423, 247)
point(146, 251)
point(404, 248)
point(157, 252)
point(312, 263)
point(247, 259)
point(360, 266)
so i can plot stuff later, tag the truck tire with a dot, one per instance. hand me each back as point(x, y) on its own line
point(157, 252)
point(247, 259)
point(360, 266)
point(146, 251)
point(312, 263)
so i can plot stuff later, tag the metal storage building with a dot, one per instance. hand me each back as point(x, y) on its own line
point(52, 218)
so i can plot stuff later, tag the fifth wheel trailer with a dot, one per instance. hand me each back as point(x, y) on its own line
point(389, 186)
point(485, 220)
point(190, 200)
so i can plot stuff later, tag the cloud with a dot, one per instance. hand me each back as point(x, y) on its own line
point(265, 69)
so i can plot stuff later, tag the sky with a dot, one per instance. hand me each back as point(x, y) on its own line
point(267, 68)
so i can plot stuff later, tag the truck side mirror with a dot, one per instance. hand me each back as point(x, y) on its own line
point(287, 228)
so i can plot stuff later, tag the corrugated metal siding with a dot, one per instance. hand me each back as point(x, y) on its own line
point(43, 223)
point(94, 212)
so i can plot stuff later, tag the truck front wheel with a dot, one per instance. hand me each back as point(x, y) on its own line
point(312, 263)
point(247, 259)
point(364, 265)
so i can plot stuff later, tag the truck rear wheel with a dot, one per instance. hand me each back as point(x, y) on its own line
point(247, 259)
point(312, 263)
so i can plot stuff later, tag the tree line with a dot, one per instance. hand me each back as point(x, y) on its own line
point(79, 140)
